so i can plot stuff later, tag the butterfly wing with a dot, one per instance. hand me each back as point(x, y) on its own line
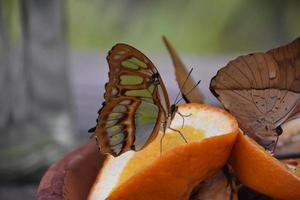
point(136, 102)
point(288, 58)
point(261, 90)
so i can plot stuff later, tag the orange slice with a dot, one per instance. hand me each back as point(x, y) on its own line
point(260, 171)
point(148, 175)
point(214, 140)
point(176, 173)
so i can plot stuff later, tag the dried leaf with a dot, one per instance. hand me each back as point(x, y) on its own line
point(217, 187)
point(181, 73)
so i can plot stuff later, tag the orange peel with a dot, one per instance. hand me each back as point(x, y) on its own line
point(258, 170)
point(175, 173)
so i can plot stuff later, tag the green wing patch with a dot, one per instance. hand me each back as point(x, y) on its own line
point(134, 63)
point(141, 93)
point(145, 120)
point(131, 80)
point(116, 139)
point(138, 93)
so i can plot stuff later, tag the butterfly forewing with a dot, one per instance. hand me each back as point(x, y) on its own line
point(136, 102)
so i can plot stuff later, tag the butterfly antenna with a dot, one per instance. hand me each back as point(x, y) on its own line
point(189, 74)
point(189, 91)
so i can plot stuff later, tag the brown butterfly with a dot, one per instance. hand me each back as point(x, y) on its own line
point(136, 103)
point(262, 90)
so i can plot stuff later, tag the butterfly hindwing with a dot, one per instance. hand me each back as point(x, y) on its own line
point(262, 90)
point(136, 102)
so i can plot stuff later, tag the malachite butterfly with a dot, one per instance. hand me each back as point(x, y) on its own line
point(136, 103)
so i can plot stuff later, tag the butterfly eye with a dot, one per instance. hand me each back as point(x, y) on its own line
point(173, 108)
point(278, 130)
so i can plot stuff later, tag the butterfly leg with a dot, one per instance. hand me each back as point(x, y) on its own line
point(278, 131)
point(178, 131)
point(271, 145)
point(92, 136)
point(275, 145)
point(183, 116)
point(97, 140)
point(161, 142)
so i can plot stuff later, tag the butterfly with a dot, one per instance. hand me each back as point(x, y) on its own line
point(262, 90)
point(136, 103)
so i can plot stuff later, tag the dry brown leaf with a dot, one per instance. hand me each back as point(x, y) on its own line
point(217, 187)
point(181, 73)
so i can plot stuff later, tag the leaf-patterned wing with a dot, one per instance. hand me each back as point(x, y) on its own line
point(259, 112)
point(288, 60)
point(261, 89)
point(253, 71)
point(136, 102)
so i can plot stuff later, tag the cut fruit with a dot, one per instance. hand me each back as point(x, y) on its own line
point(174, 174)
point(261, 172)
point(178, 172)
point(181, 167)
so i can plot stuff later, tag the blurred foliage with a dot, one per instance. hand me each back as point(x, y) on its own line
point(11, 19)
point(192, 25)
point(209, 26)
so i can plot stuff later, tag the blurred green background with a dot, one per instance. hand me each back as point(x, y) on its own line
point(193, 26)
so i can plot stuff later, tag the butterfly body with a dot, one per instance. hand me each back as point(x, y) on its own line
point(170, 116)
point(136, 103)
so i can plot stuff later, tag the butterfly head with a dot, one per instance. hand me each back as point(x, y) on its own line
point(265, 128)
point(274, 140)
point(278, 130)
point(266, 134)
point(173, 110)
point(154, 79)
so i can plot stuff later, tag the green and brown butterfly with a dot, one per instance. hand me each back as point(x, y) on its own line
point(136, 103)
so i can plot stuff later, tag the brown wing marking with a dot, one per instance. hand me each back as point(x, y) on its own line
point(116, 127)
point(110, 118)
point(257, 71)
point(288, 59)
